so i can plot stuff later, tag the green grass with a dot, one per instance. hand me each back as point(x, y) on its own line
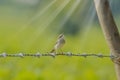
point(60, 68)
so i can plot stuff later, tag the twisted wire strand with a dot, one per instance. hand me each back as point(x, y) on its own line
point(38, 54)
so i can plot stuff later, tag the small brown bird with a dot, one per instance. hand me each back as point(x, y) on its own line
point(59, 44)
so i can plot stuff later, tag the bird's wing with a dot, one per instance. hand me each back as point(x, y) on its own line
point(57, 41)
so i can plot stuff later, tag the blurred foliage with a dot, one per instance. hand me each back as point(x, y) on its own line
point(60, 68)
point(24, 28)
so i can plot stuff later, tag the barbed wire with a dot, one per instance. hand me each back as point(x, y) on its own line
point(115, 59)
point(38, 54)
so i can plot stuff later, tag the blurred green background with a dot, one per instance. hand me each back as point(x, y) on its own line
point(31, 26)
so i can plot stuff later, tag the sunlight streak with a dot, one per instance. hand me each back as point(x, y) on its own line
point(68, 15)
point(45, 24)
point(87, 28)
point(19, 31)
point(37, 16)
point(52, 16)
point(66, 18)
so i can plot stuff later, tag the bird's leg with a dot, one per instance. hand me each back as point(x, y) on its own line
point(61, 51)
point(56, 51)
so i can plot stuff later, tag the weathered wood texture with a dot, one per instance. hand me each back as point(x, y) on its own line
point(109, 28)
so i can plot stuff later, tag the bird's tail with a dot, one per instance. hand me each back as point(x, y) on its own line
point(53, 50)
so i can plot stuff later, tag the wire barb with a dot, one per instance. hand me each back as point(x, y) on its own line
point(53, 55)
point(68, 54)
point(21, 55)
point(3, 55)
point(38, 55)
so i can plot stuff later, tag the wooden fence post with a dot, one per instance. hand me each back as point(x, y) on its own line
point(110, 30)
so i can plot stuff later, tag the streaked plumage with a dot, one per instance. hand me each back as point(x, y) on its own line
point(59, 44)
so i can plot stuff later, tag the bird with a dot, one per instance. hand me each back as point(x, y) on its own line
point(59, 44)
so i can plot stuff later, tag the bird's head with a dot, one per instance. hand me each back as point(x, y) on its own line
point(61, 36)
